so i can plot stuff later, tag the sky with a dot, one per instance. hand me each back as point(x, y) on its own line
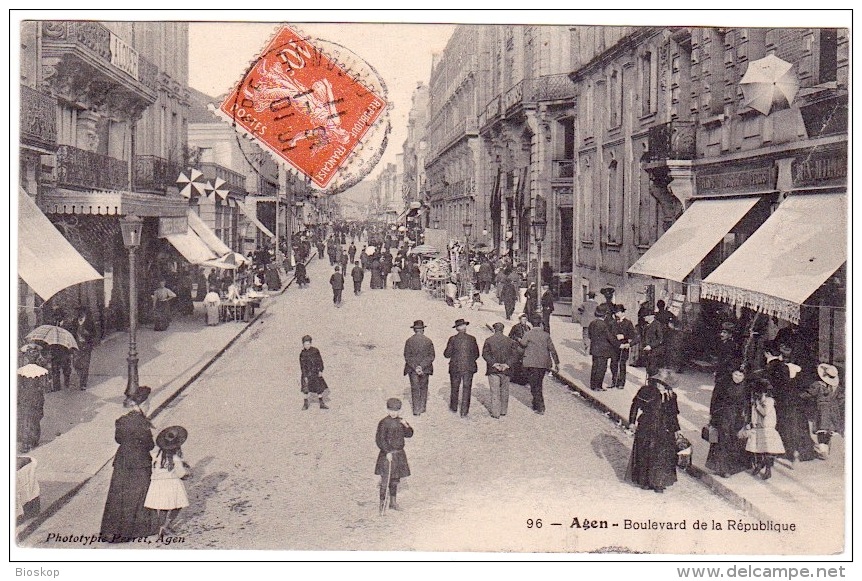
point(401, 54)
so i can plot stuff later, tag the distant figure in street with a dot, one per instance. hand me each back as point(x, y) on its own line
point(517, 331)
point(508, 295)
point(547, 303)
point(162, 297)
point(653, 343)
point(500, 354)
point(351, 252)
point(125, 517)
point(301, 275)
point(462, 350)
point(357, 274)
point(539, 356)
point(626, 337)
point(654, 418)
point(167, 493)
point(311, 369)
point(485, 276)
point(418, 365)
point(392, 463)
point(336, 281)
point(585, 317)
point(530, 300)
point(84, 331)
point(212, 300)
point(61, 358)
point(603, 346)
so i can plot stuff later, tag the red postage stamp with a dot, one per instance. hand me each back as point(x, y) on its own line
point(306, 106)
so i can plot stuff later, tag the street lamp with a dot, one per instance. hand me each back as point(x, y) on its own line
point(539, 225)
point(131, 227)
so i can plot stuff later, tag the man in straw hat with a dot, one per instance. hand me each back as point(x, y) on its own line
point(462, 351)
point(418, 365)
point(391, 460)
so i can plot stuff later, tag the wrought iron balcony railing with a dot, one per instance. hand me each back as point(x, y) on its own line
point(154, 174)
point(79, 169)
point(563, 168)
point(235, 181)
point(38, 119)
point(672, 140)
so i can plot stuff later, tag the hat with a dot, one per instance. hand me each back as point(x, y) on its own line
point(498, 326)
point(172, 438)
point(619, 308)
point(138, 397)
point(728, 326)
point(418, 324)
point(28, 346)
point(306, 338)
point(828, 373)
point(601, 310)
point(460, 322)
point(523, 316)
point(666, 378)
point(393, 403)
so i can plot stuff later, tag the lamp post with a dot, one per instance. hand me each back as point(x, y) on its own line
point(131, 227)
point(539, 225)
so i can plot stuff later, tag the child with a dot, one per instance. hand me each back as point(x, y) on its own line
point(392, 460)
point(167, 493)
point(763, 439)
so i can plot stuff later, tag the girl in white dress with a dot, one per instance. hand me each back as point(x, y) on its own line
point(167, 492)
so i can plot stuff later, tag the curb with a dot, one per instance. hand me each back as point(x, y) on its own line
point(51, 510)
point(707, 479)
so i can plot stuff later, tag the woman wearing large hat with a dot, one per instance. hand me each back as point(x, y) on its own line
point(828, 395)
point(125, 518)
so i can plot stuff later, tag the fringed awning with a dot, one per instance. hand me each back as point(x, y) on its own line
point(759, 302)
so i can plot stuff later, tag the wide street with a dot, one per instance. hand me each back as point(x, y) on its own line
point(268, 475)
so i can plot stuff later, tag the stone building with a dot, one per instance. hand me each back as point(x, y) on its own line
point(104, 118)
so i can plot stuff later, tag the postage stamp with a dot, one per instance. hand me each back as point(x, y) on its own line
point(315, 105)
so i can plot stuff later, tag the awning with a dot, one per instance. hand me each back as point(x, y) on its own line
point(46, 260)
point(250, 215)
point(191, 247)
point(207, 235)
point(692, 237)
point(789, 257)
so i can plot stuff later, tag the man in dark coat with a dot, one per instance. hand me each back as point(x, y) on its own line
point(508, 296)
point(84, 331)
point(311, 369)
point(337, 283)
point(539, 356)
point(584, 316)
point(500, 353)
point(351, 251)
point(391, 460)
point(547, 303)
point(516, 332)
point(418, 365)
point(357, 274)
point(626, 336)
point(462, 350)
point(603, 346)
point(485, 276)
point(653, 343)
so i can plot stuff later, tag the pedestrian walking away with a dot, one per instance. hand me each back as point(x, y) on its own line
point(357, 274)
point(311, 378)
point(418, 366)
point(500, 354)
point(539, 356)
point(508, 295)
point(336, 281)
point(462, 350)
point(585, 317)
point(125, 517)
point(391, 463)
point(167, 493)
point(547, 304)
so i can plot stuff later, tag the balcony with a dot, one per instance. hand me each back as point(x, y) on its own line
point(235, 181)
point(78, 169)
point(551, 88)
point(154, 174)
point(38, 120)
point(673, 140)
point(563, 169)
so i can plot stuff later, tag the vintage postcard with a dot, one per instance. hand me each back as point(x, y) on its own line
point(527, 288)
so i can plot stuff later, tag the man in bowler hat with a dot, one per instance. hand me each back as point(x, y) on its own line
point(391, 460)
point(462, 351)
point(418, 365)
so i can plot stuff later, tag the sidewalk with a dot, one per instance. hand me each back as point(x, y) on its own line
point(78, 426)
point(813, 489)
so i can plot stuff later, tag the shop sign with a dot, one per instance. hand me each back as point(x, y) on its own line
point(738, 181)
point(170, 225)
point(820, 171)
point(124, 57)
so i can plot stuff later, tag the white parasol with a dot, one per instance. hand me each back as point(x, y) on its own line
point(219, 187)
point(769, 83)
point(32, 370)
point(193, 184)
point(370, 250)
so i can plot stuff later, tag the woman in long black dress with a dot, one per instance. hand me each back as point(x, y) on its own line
point(727, 413)
point(653, 417)
point(125, 518)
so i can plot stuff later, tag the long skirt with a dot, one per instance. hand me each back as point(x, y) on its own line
point(162, 315)
point(653, 459)
point(727, 456)
point(212, 314)
point(125, 517)
point(793, 428)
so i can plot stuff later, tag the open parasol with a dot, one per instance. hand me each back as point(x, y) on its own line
point(769, 83)
point(52, 335)
point(193, 184)
point(219, 188)
point(31, 371)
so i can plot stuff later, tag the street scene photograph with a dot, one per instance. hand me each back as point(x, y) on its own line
point(414, 289)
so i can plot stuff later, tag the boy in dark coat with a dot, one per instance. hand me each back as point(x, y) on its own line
point(391, 460)
point(311, 367)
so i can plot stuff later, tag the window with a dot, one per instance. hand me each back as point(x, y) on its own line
point(585, 192)
point(647, 210)
point(648, 74)
point(681, 81)
point(615, 203)
point(615, 99)
point(828, 61)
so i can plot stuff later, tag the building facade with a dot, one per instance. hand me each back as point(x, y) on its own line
point(104, 118)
